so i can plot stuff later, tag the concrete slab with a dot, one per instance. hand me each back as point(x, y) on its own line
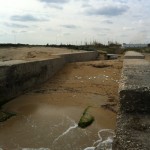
point(133, 119)
point(133, 55)
point(134, 88)
point(11, 62)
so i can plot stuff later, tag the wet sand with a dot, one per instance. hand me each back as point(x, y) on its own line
point(47, 116)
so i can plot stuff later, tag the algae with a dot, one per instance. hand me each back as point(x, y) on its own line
point(86, 119)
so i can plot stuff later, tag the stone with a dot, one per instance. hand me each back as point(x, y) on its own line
point(86, 119)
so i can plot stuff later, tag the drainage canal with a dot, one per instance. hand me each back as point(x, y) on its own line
point(47, 117)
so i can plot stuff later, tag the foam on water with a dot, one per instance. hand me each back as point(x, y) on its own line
point(75, 125)
point(90, 148)
point(36, 149)
point(101, 143)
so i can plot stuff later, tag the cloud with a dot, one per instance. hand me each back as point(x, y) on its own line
point(121, 1)
point(26, 18)
point(86, 5)
point(2, 32)
point(101, 29)
point(56, 6)
point(14, 25)
point(21, 31)
point(101, 34)
point(55, 1)
point(69, 26)
point(49, 30)
point(128, 28)
point(144, 31)
point(66, 34)
point(107, 21)
point(124, 35)
point(108, 11)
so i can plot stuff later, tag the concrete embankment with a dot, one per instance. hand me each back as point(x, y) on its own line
point(133, 55)
point(133, 120)
point(17, 76)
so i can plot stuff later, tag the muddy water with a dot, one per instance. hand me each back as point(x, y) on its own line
point(49, 121)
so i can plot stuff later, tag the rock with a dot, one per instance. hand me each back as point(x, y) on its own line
point(86, 119)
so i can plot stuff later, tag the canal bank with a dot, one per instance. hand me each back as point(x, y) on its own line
point(133, 119)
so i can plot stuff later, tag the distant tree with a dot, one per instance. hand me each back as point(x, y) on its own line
point(113, 44)
point(47, 45)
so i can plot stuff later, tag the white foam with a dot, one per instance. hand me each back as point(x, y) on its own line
point(100, 143)
point(75, 125)
point(89, 148)
point(36, 149)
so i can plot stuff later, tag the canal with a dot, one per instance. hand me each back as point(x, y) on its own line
point(47, 117)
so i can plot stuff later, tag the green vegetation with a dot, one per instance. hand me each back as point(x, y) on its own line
point(86, 119)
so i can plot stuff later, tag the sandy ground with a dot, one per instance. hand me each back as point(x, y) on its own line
point(26, 53)
point(94, 77)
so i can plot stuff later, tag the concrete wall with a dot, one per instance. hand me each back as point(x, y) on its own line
point(133, 119)
point(133, 55)
point(80, 56)
point(17, 76)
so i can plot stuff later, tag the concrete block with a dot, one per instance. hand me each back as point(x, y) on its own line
point(134, 88)
point(133, 118)
point(17, 77)
point(80, 56)
point(133, 55)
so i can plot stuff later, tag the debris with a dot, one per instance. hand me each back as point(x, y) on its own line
point(6, 115)
point(109, 107)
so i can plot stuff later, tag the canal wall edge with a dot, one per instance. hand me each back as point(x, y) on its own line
point(133, 118)
point(17, 76)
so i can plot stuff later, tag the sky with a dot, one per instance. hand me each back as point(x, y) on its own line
point(74, 21)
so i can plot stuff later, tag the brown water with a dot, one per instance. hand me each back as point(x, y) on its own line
point(39, 123)
point(48, 120)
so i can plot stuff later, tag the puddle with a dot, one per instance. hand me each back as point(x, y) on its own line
point(44, 123)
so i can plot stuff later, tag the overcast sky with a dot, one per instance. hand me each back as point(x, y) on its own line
point(74, 21)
